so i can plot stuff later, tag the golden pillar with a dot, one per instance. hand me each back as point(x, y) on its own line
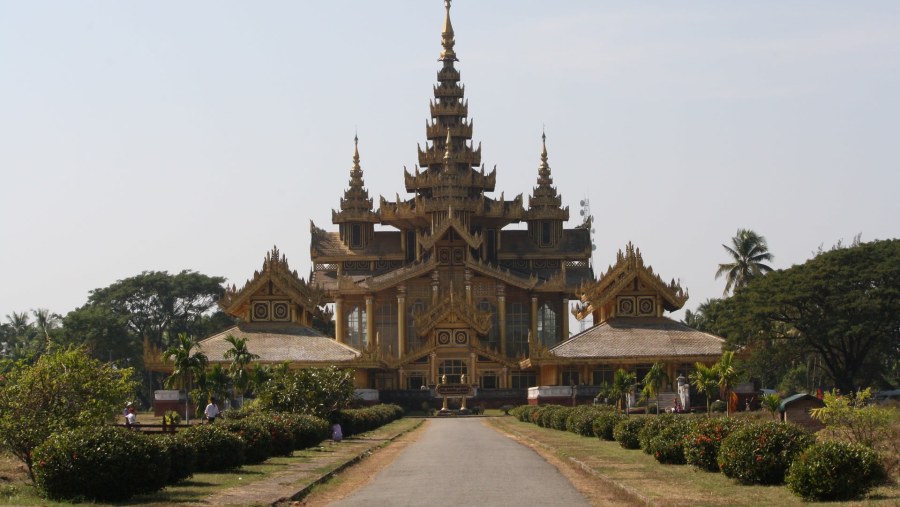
point(433, 357)
point(401, 321)
point(534, 319)
point(339, 320)
point(370, 319)
point(501, 308)
point(473, 368)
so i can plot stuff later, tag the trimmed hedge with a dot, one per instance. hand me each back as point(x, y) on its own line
point(762, 452)
point(359, 420)
point(701, 447)
point(182, 457)
point(307, 430)
point(106, 464)
point(605, 423)
point(627, 432)
point(834, 471)
point(652, 428)
point(581, 419)
point(254, 432)
point(217, 448)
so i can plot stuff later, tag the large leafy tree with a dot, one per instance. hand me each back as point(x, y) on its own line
point(159, 306)
point(842, 305)
point(61, 391)
point(749, 252)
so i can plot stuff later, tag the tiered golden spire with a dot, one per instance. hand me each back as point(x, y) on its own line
point(545, 200)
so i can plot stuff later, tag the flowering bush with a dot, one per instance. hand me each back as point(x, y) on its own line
point(106, 464)
point(307, 430)
point(701, 447)
point(627, 432)
point(667, 446)
point(762, 452)
point(834, 471)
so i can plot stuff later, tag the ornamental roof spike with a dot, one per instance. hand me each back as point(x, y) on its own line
point(447, 41)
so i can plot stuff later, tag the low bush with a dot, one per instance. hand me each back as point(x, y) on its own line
point(627, 432)
point(762, 452)
point(605, 423)
point(254, 432)
point(280, 431)
point(559, 417)
point(701, 447)
point(182, 457)
point(667, 446)
point(653, 427)
point(217, 448)
point(581, 419)
point(834, 471)
point(106, 464)
point(718, 406)
point(307, 430)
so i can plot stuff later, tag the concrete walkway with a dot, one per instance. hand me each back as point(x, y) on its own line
point(460, 461)
point(297, 479)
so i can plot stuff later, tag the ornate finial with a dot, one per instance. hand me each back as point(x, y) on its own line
point(447, 144)
point(447, 37)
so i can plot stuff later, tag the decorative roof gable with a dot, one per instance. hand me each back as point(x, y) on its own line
point(275, 294)
point(630, 288)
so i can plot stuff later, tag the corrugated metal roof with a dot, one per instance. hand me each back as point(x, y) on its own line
point(279, 342)
point(639, 337)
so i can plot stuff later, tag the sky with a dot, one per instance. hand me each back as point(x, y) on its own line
point(149, 135)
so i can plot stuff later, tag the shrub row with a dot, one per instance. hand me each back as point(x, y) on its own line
point(358, 420)
point(111, 464)
point(748, 452)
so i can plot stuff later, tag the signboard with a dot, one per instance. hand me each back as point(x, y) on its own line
point(453, 390)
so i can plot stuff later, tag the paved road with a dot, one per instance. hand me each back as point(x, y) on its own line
point(463, 462)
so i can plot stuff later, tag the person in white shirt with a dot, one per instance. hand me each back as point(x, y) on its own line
point(131, 417)
point(212, 411)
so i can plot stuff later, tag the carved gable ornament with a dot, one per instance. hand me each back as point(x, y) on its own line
point(275, 294)
point(630, 289)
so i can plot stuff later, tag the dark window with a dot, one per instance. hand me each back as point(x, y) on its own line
point(545, 233)
point(410, 246)
point(491, 246)
point(489, 381)
point(355, 236)
point(601, 376)
point(569, 378)
point(523, 380)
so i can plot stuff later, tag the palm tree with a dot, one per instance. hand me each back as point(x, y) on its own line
point(706, 380)
point(188, 363)
point(652, 381)
point(622, 382)
point(748, 252)
point(727, 376)
point(240, 357)
point(46, 322)
point(772, 403)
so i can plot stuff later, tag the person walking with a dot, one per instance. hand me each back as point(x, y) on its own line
point(212, 411)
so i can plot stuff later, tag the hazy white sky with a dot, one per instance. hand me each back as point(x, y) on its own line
point(195, 135)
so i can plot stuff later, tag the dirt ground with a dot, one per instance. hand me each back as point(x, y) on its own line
point(358, 475)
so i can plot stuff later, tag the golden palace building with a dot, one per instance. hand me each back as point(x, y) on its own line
point(436, 284)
